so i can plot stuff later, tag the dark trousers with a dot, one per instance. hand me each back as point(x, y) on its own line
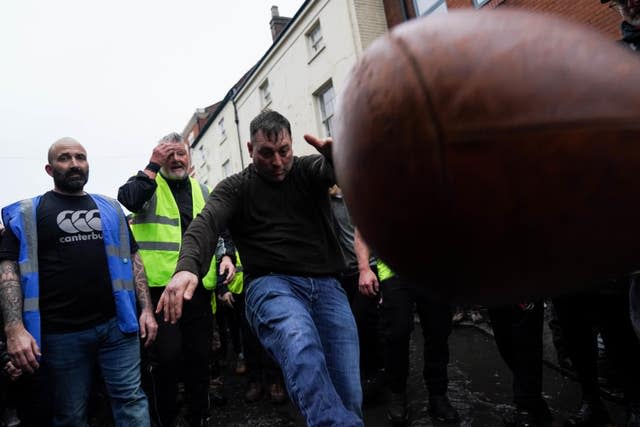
point(517, 330)
point(608, 311)
point(33, 399)
point(261, 368)
point(181, 348)
point(398, 300)
point(367, 316)
point(229, 320)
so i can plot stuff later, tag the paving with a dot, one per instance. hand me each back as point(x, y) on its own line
point(480, 388)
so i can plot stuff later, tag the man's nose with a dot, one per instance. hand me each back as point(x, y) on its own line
point(277, 160)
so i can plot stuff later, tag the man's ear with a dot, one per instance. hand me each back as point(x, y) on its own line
point(48, 169)
point(250, 148)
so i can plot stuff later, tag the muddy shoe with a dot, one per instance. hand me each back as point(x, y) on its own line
point(397, 412)
point(253, 393)
point(590, 414)
point(458, 316)
point(441, 409)
point(202, 421)
point(277, 394)
point(633, 419)
point(241, 367)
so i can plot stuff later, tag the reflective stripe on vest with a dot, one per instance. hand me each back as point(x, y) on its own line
point(115, 232)
point(157, 230)
point(28, 262)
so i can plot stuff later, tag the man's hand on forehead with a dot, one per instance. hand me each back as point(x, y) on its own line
point(162, 151)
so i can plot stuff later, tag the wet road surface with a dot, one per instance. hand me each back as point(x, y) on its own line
point(480, 388)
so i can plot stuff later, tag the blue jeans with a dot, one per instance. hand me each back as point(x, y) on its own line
point(70, 359)
point(306, 324)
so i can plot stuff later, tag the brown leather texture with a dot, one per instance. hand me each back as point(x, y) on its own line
point(495, 156)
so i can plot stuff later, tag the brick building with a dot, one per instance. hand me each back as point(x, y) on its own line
point(589, 12)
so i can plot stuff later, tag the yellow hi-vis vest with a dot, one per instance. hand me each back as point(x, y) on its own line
point(158, 233)
point(236, 286)
point(384, 272)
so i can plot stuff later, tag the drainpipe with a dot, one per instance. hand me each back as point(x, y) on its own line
point(403, 8)
point(237, 121)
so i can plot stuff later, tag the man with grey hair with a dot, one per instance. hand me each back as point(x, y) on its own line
point(70, 279)
point(164, 200)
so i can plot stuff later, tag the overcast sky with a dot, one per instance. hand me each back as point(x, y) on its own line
point(116, 76)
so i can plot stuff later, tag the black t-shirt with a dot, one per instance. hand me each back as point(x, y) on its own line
point(75, 285)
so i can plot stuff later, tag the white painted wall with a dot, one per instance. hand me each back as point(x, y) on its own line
point(294, 75)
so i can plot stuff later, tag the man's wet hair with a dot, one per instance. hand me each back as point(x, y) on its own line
point(173, 137)
point(271, 123)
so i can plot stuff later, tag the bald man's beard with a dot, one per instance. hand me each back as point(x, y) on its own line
point(71, 181)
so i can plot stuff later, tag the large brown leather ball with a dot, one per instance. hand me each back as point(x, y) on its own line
point(495, 155)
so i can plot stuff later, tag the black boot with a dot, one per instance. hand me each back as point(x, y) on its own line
point(441, 409)
point(397, 412)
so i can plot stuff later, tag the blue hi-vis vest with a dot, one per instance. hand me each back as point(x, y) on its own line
point(21, 217)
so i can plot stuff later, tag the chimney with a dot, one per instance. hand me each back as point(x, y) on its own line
point(277, 22)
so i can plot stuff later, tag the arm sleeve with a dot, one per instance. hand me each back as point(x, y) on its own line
point(319, 169)
point(136, 192)
point(132, 242)
point(9, 246)
point(226, 247)
point(201, 238)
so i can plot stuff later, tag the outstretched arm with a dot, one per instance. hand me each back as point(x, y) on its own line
point(21, 346)
point(148, 324)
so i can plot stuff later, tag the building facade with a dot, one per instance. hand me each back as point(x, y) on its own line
point(308, 64)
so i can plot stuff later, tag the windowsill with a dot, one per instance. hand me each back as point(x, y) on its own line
point(315, 54)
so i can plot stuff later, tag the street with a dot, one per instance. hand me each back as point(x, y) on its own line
point(480, 388)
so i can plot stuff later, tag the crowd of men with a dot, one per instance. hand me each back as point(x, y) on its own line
point(89, 295)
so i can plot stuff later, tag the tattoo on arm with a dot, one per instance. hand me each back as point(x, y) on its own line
point(10, 293)
point(142, 287)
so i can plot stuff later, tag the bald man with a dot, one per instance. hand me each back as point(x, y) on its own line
point(74, 295)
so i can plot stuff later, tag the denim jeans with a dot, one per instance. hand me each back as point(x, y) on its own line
point(70, 359)
point(306, 324)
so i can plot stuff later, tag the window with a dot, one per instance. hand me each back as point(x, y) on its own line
point(223, 132)
point(479, 3)
point(314, 39)
point(433, 7)
point(201, 155)
point(326, 102)
point(226, 168)
point(265, 93)
point(192, 136)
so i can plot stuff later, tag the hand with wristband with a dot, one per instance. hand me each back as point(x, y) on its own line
point(159, 157)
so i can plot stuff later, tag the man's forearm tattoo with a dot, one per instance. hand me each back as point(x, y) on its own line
point(142, 286)
point(10, 293)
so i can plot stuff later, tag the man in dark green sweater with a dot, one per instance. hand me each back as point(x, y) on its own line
point(277, 210)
